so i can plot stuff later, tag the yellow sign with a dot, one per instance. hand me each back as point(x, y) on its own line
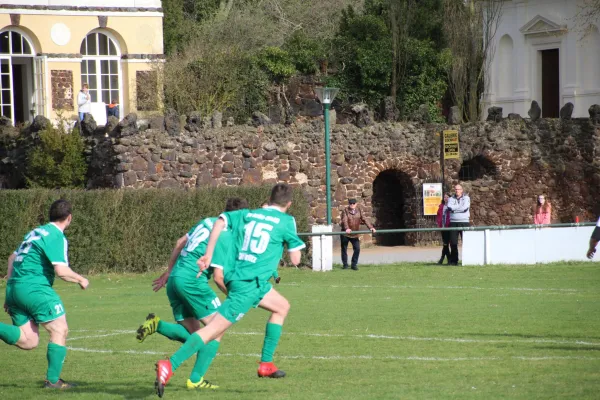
point(451, 149)
point(432, 197)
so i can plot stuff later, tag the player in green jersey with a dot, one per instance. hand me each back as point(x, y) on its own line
point(30, 299)
point(259, 237)
point(192, 299)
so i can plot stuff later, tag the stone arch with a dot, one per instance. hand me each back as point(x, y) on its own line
point(392, 202)
point(477, 167)
point(505, 66)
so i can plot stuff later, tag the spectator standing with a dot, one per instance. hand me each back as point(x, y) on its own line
point(112, 110)
point(84, 101)
point(352, 217)
point(459, 206)
point(542, 212)
point(443, 221)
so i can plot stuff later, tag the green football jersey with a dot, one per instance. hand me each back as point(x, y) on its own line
point(195, 247)
point(259, 237)
point(41, 247)
point(224, 254)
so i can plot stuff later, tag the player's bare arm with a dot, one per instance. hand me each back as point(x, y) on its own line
point(68, 275)
point(205, 260)
point(219, 279)
point(161, 281)
point(295, 257)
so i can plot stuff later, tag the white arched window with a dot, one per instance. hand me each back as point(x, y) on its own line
point(17, 72)
point(14, 44)
point(100, 67)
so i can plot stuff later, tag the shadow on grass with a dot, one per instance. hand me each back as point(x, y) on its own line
point(133, 391)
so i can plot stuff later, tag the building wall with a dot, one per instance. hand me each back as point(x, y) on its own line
point(550, 156)
point(515, 72)
point(58, 35)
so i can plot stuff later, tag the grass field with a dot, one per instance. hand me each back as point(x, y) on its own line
point(397, 331)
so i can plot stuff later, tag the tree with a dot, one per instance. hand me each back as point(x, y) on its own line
point(363, 52)
point(400, 16)
point(470, 27)
point(587, 16)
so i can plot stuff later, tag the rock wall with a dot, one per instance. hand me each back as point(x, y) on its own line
point(506, 165)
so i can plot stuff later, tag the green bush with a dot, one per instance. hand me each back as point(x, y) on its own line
point(123, 231)
point(58, 160)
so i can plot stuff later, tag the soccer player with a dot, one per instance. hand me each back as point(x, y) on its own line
point(259, 236)
point(30, 299)
point(594, 241)
point(192, 299)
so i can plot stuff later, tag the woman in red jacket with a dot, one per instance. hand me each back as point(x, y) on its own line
point(443, 221)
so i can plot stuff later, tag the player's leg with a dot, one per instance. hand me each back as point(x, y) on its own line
point(14, 334)
point(203, 361)
point(195, 343)
point(242, 296)
point(279, 307)
point(174, 331)
point(25, 337)
point(203, 301)
point(57, 352)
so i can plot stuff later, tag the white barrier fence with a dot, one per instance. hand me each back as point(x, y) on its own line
point(322, 245)
point(499, 245)
point(525, 246)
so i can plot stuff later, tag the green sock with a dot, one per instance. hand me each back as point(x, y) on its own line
point(193, 345)
point(272, 335)
point(56, 357)
point(173, 331)
point(9, 334)
point(204, 360)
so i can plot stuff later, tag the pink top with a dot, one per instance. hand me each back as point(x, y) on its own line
point(542, 217)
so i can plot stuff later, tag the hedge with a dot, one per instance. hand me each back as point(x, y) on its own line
point(123, 230)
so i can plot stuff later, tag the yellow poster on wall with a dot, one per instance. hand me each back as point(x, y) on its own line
point(451, 148)
point(432, 197)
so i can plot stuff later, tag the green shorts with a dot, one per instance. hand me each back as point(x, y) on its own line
point(191, 298)
point(37, 303)
point(243, 295)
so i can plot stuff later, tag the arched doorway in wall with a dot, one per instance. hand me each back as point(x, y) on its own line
point(393, 198)
point(21, 77)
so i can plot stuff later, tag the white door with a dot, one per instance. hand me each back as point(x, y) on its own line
point(6, 89)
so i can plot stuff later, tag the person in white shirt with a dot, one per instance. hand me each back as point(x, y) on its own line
point(84, 101)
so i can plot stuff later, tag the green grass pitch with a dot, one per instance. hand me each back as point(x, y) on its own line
point(385, 332)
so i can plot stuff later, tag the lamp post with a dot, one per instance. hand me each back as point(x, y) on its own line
point(326, 96)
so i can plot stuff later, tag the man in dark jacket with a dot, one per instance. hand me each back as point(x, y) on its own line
point(352, 217)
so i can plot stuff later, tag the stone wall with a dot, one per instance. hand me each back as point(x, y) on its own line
point(382, 165)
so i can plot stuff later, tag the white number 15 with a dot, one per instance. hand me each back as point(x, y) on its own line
point(257, 237)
